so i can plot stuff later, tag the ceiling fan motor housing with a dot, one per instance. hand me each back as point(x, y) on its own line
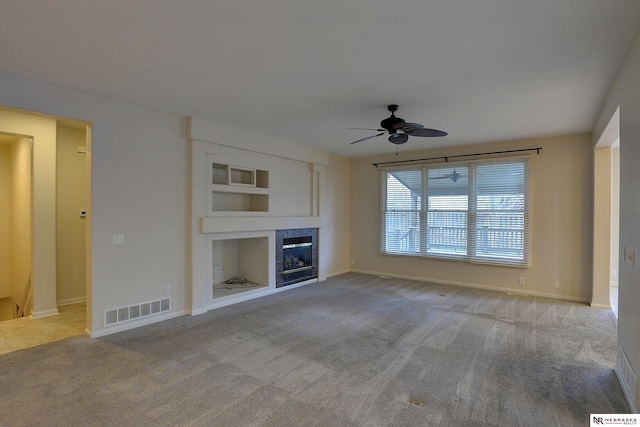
point(389, 123)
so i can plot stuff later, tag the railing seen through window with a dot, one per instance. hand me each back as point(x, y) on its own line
point(477, 211)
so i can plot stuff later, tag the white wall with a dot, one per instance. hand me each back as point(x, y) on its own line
point(337, 208)
point(140, 189)
point(71, 198)
point(561, 212)
point(625, 94)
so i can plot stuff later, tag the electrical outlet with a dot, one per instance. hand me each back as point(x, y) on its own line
point(118, 239)
point(521, 281)
point(556, 284)
point(351, 261)
point(167, 290)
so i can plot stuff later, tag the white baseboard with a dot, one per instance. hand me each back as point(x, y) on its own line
point(224, 301)
point(514, 291)
point(72, 301)
point(337, 273)
point(249, 295)
point(44, 313)
point(197, 311)
point(134, 324)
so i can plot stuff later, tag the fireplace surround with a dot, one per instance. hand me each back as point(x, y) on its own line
point(296, 255)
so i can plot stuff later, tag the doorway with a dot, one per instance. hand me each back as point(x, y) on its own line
point(57, 260)
point(16, 293)
point(606, 251)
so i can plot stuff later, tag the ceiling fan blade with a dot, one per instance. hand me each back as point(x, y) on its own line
point(408, 126)
point(369, 137)
point(425, 132)
point(378, 130)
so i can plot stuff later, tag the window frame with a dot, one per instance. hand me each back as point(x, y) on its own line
point(472, 255)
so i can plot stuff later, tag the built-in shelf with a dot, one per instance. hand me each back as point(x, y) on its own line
point(218, 188)
point(238, 189)
point(225, 201)
point(241, 176)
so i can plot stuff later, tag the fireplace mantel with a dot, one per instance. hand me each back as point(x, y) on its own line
point(230, 224)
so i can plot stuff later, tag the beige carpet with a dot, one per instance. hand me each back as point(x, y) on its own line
point(355, 350)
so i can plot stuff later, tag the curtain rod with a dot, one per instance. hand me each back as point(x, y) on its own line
point(446, 158)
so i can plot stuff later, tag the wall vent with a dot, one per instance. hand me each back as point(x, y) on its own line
point(628, 376)
point(145, 309)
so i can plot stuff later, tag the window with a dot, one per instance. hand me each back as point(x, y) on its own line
point(477, 211)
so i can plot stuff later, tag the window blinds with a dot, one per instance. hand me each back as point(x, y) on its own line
point(477, 211)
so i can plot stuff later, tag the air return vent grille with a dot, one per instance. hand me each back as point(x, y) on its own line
point(133, 312)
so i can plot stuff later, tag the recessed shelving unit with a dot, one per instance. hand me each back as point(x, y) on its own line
point(238, 189)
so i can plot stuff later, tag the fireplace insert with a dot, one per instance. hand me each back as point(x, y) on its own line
point(296, 254)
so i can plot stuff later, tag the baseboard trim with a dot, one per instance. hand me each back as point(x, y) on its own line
point(246, 296)
point(338, 273)
point(625, 389)
point(135, 324)
point(197, 311)
point(44, 313)
point(514, 291)
point(603, 306)
point(72, 301)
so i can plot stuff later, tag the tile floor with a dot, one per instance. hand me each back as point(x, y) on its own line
point(25, 332)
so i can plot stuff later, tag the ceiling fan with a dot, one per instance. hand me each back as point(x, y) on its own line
point(454, 176)
point(399, 131)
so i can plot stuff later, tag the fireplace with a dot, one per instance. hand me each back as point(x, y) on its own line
point(296, 256)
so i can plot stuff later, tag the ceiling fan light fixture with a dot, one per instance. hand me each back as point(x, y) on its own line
point(398, 139)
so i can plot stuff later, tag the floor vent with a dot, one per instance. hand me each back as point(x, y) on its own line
point(628, 376)
point(125, 314)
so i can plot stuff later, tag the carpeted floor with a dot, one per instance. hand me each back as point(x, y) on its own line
point(355, 350)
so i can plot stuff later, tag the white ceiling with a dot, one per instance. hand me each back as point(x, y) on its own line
point(306, 71)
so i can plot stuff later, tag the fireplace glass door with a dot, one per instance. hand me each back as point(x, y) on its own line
point(296, 254)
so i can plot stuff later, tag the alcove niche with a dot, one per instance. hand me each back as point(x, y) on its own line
point(240, 263)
